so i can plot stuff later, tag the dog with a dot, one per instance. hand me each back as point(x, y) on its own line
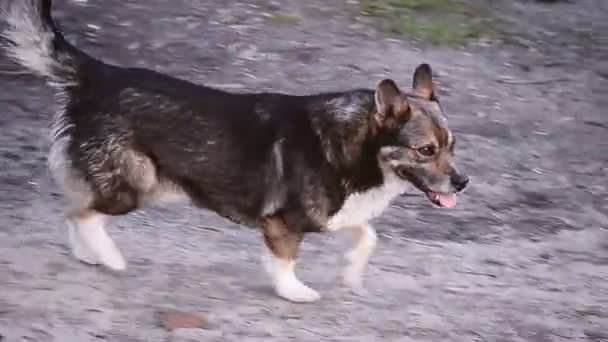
point(125, 138)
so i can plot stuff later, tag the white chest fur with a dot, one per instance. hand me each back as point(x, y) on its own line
point(361, 207)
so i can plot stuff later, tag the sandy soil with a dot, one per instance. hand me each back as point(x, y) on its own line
point(524, 257)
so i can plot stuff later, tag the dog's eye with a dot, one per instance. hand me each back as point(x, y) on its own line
point(427, 151)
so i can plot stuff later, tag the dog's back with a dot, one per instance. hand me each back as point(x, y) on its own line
point(125, 136)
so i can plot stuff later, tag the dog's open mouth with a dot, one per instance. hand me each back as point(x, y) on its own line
point(446, 200)
point(442, 199)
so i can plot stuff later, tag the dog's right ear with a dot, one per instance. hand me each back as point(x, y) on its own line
point(423, 82)
point(391, 106)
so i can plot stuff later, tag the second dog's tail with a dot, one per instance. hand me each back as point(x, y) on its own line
point(34, 41)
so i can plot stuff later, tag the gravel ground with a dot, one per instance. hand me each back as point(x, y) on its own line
point(524, 257)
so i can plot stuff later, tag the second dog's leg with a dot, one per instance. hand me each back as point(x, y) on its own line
point(91, 243)
point(365, 238)
point(280, 251)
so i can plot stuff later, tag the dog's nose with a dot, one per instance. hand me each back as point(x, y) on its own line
point(459, 181)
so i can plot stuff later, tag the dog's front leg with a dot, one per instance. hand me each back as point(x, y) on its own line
point(281, 244)
point(364, 237)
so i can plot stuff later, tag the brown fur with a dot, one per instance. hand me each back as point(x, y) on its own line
point(282, 241)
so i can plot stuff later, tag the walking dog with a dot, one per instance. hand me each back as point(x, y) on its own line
point(289, 165)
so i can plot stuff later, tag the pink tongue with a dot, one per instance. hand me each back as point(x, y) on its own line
point(447, 200)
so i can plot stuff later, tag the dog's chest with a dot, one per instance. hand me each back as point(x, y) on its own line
point(361, 207)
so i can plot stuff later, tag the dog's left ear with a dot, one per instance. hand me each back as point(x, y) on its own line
point(391, 107)
point(423, 82)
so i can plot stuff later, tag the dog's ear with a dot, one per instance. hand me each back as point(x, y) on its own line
point(423, 82)
point(391, 106)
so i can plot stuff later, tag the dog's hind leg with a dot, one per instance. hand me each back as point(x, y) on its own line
point(364, 237)
point(280, 251)
point(112, 188)
point(88, 239)
point(90, 242)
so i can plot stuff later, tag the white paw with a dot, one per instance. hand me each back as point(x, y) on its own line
point(81, 253)
point(92, 245)
point(352, 278)
point(112, 258)
point(284, 280)
point(352, 275)
point(293, 290)
point(80, 250)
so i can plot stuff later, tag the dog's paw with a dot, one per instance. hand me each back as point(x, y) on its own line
point(106, 254)
point(356, 288)
point(91, 244)
point(81, 251)
point(353, 280)
point(113, 259)
point(294, 291)
point(84, 255)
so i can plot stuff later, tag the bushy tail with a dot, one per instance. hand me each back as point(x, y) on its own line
point(33, 40)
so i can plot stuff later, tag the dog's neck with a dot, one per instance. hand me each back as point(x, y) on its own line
point(350, 145)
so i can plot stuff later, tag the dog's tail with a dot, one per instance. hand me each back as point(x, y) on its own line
point(34, 41)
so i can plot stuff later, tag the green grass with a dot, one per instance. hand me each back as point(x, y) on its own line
point(284, 18)
point(442, 22)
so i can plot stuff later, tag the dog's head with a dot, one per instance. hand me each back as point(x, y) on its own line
point(416, 143)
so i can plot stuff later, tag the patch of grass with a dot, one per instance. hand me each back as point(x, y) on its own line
point(374, 7)
point(437, 31)
point(284, 18)
point(442, 22)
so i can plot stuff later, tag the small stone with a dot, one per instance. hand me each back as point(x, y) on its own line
point(546, 256)
point(172, 320)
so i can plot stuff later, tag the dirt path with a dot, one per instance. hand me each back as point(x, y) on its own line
point(523, 258)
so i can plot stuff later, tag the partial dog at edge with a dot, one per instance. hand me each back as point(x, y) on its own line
point(127, 137)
